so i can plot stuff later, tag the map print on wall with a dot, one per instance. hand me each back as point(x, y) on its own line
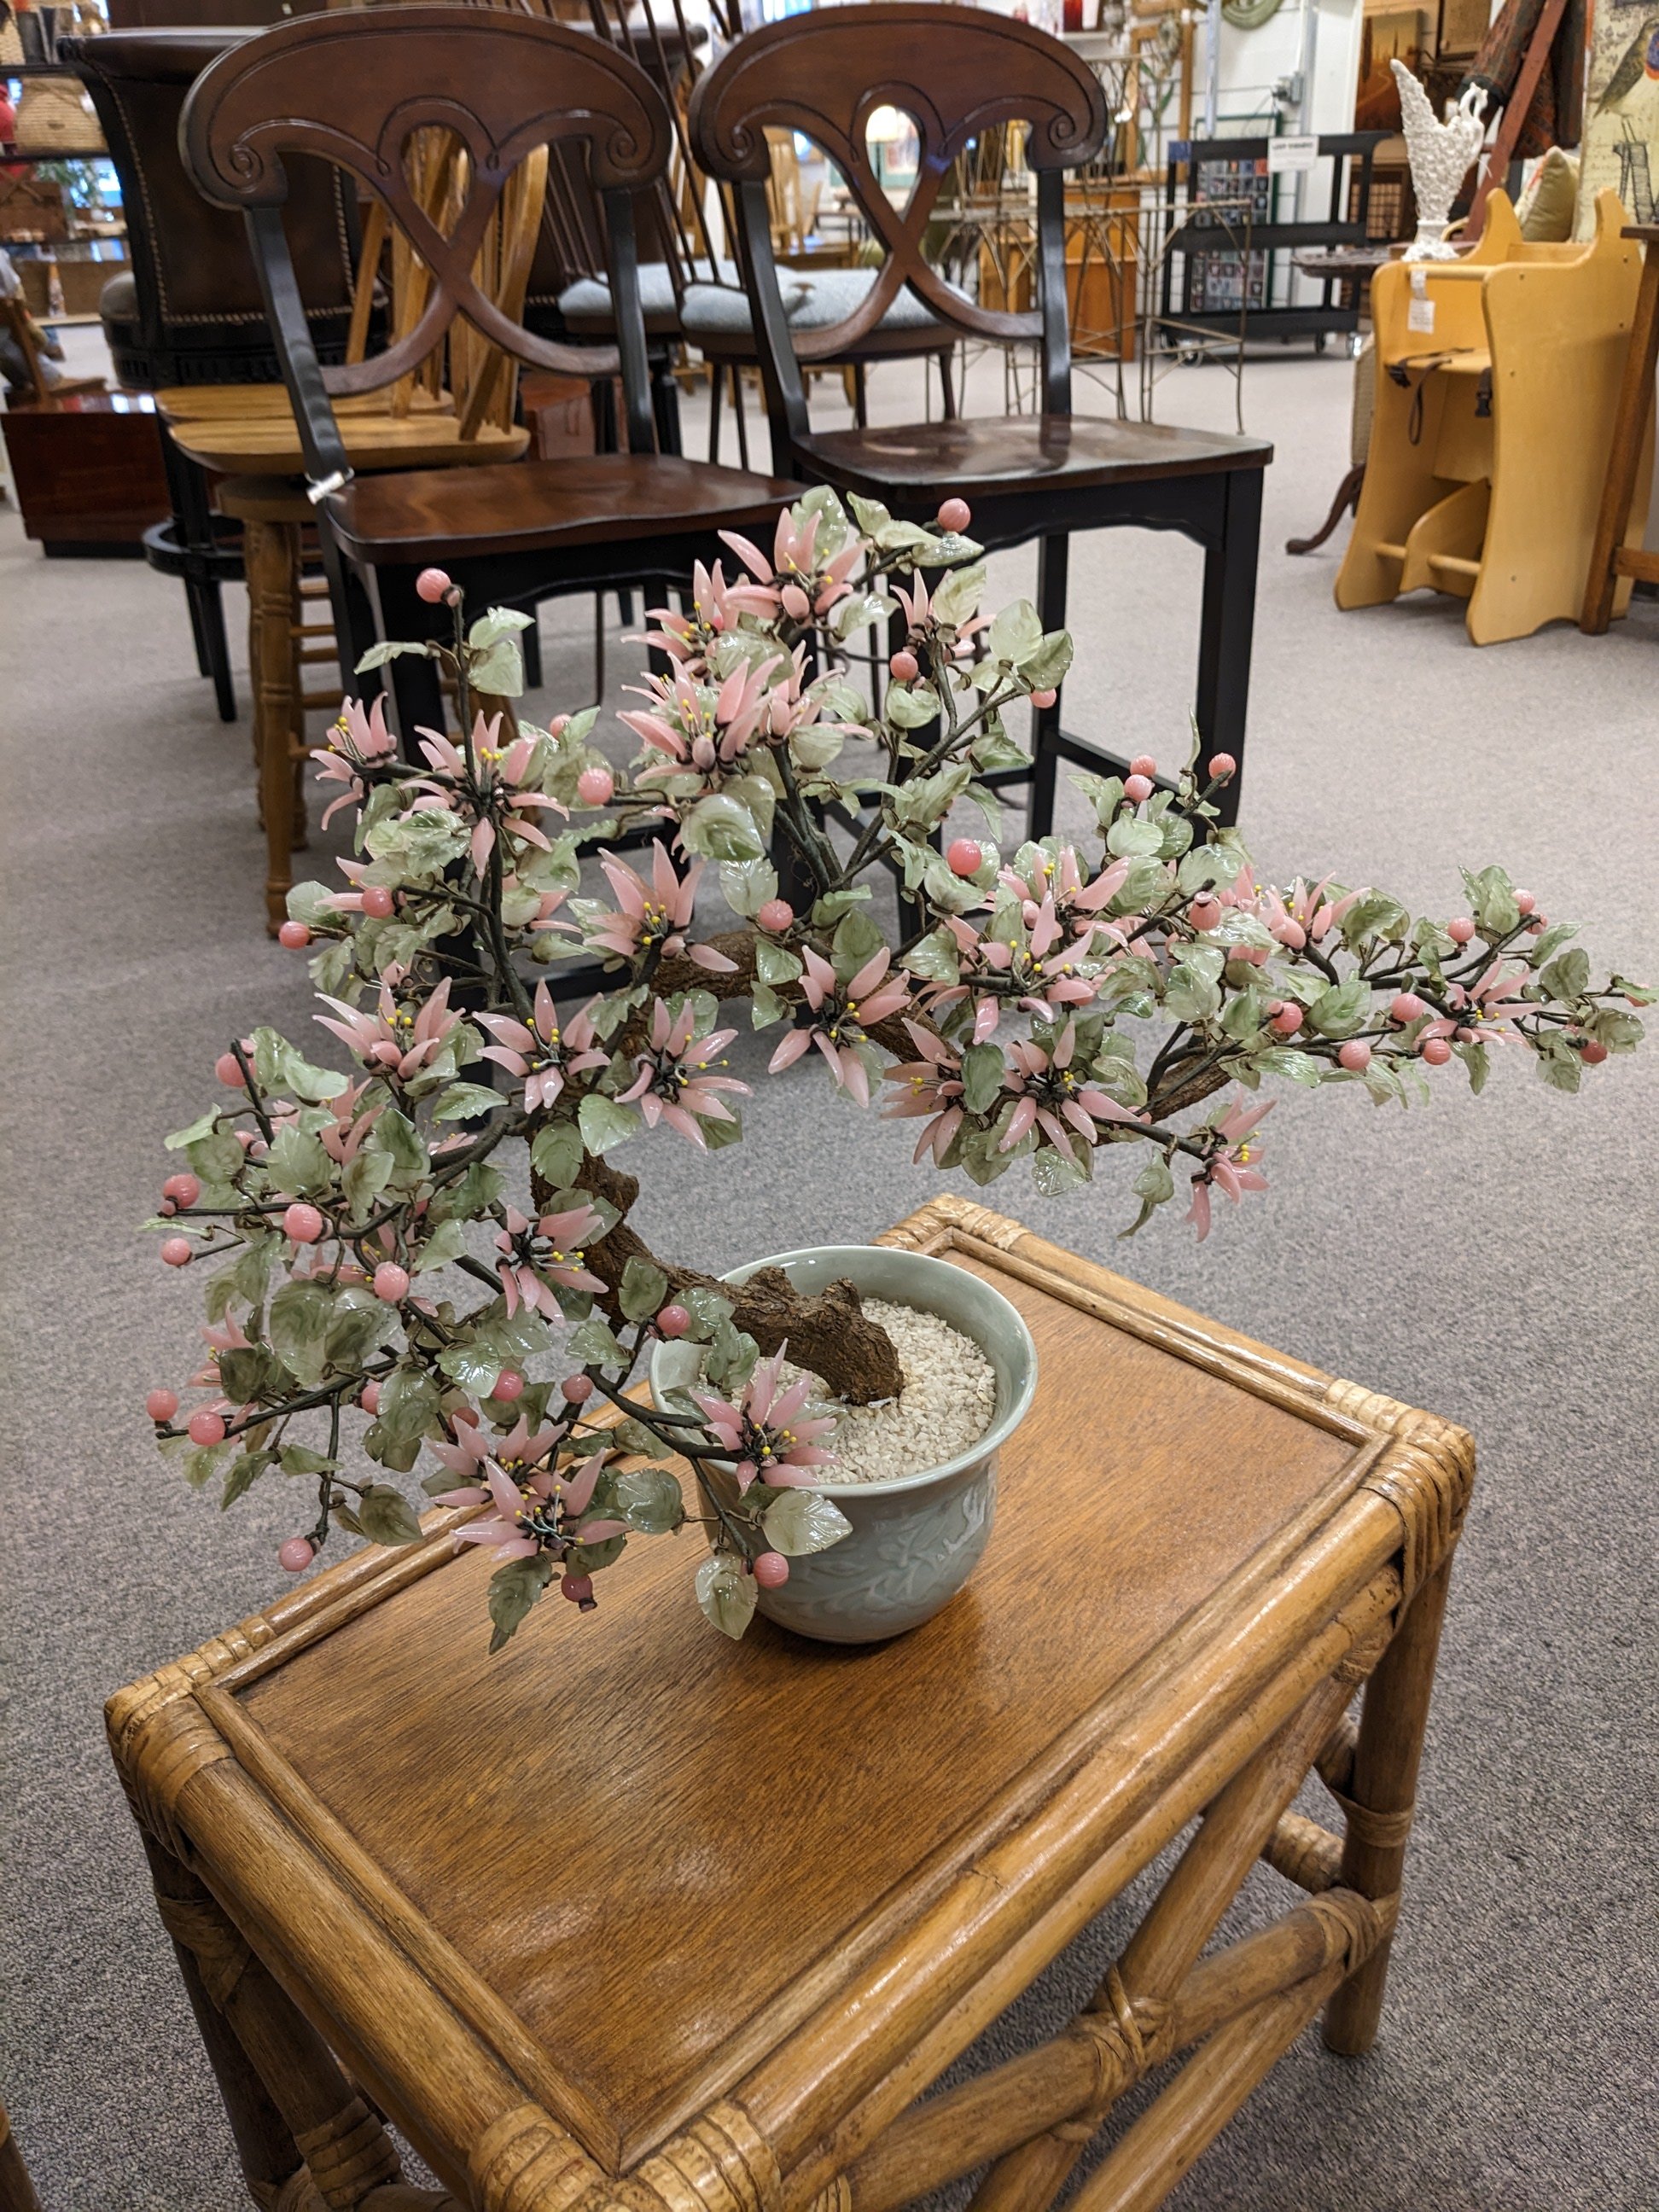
point(1622, 110)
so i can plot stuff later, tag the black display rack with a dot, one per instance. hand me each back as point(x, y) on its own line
point(1221, 238)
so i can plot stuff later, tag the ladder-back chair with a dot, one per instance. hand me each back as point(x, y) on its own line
point(960, 72)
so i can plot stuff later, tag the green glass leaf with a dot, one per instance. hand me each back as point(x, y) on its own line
point(204, 1126)
point(556, 1152)
point(387, 1516)
point(648, 1497)
point(462, 1101)
point(643, 1290)
point(800, 1522)
point(604, 1124)
point(982, 1077)
point(726, 1594)
point(513, 1589)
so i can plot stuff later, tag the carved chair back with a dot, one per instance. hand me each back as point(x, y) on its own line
point(362, 89)
point(959, 73)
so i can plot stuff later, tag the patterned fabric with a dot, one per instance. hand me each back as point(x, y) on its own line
point(1556, 117)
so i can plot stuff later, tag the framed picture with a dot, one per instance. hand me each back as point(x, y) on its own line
point(1621, 110)
point(1393, 33)
point(1463, 26)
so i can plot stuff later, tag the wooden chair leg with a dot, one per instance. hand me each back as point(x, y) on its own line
point(1053, 570)
point(1630, 424)
point(1383, 1791)
point(271, 558)
point(1228, 626)
point(1346, 500)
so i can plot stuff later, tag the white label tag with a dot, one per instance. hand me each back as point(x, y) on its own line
point(1291, 154)
point(1419, 316)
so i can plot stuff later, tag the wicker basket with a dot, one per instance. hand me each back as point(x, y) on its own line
point(55, 116)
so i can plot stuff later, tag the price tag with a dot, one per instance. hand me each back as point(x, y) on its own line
point(1291, 154)
point(1419, 311)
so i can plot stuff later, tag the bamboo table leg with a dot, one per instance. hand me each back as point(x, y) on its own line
point(1384, 1789)
point(16, 2190)
point(1629, 430)
point(307, 2141)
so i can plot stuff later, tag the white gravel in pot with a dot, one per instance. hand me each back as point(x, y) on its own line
point(947, 1403)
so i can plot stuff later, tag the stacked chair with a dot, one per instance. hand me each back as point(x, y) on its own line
point(367, 90)
point(960, 72)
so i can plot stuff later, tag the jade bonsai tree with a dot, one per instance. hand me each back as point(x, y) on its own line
point(380, 1298)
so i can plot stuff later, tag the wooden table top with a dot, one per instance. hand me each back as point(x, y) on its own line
point(639, 1857)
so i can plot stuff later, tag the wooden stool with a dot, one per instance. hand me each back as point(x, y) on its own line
point(635, 1918)
point(274, 514)
point(1616, 554)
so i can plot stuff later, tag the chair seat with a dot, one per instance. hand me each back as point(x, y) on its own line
point(453, 515)
point(718, 308)
point(1013, 453)
point(264, 443)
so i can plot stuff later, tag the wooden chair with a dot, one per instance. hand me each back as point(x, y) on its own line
point(16, 318)
point(1616, 555)
point(1496, 388)
point(697, 293)
point(357, 85)
point(959, 72)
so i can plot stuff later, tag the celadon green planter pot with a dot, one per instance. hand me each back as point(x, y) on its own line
point(915, 1540)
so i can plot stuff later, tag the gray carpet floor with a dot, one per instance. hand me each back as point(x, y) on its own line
point(1494, 1260)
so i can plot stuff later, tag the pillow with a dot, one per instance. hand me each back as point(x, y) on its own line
point(1546, 206)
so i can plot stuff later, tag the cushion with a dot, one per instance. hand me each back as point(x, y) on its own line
point(1547, 205)
point(590, 295)
point(820, 297)
point(119, 301)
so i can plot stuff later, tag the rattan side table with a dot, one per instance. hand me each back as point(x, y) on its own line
point(635, 1919)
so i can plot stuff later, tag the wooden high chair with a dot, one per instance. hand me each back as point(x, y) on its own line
point(1497, 382)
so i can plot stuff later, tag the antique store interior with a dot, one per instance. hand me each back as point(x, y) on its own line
point(551, 1724)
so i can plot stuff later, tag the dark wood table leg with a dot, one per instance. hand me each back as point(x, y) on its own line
point(1346, 500)
point(1630, 424)
point(1228, 629)
point(16, 2190)
point(1380, 1801)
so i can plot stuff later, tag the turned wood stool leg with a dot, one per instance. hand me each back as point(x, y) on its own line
point(1383, 1790)
point(292, 2110)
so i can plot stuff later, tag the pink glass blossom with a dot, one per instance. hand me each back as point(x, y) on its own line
point(763, 1431)
point(392, 1040)
point(540, 1051)
point(358, 742)
point(672, 1081)
point(536, 1256)
point(843, 1018)
point(654, 918)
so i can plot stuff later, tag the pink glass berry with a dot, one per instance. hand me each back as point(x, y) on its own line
point(1288, 1020)
point(228, 1069)
point(206, 1428)
point(1461, 930)
point(905, 666)
point(369, 1397)
point(302, 1222)
point(1437, 1050)
point(964, 856)
point(576, 1390)
point(1137, 788)
point(594, 786)
point(1407, 1006)
point(776, 915)
point(1222, 765)
point(182, 1189)
point(673, 1319)
point(294, 935)
point(1538, 923)
point(509, 1386)
point(431, 585)
point(167, 1207)
point(391, 1282)
point(177, 1251)
point(1592, 1052)
point(771, 1570)
point(579, 1588)
point(955, 514)
point(295, 1555)
point(1143, 765)
point(1525, 902)
point(1044, 700)
point(161, 1405)
point(1355, 1055)
point(1204, 913)
point(378, 902)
